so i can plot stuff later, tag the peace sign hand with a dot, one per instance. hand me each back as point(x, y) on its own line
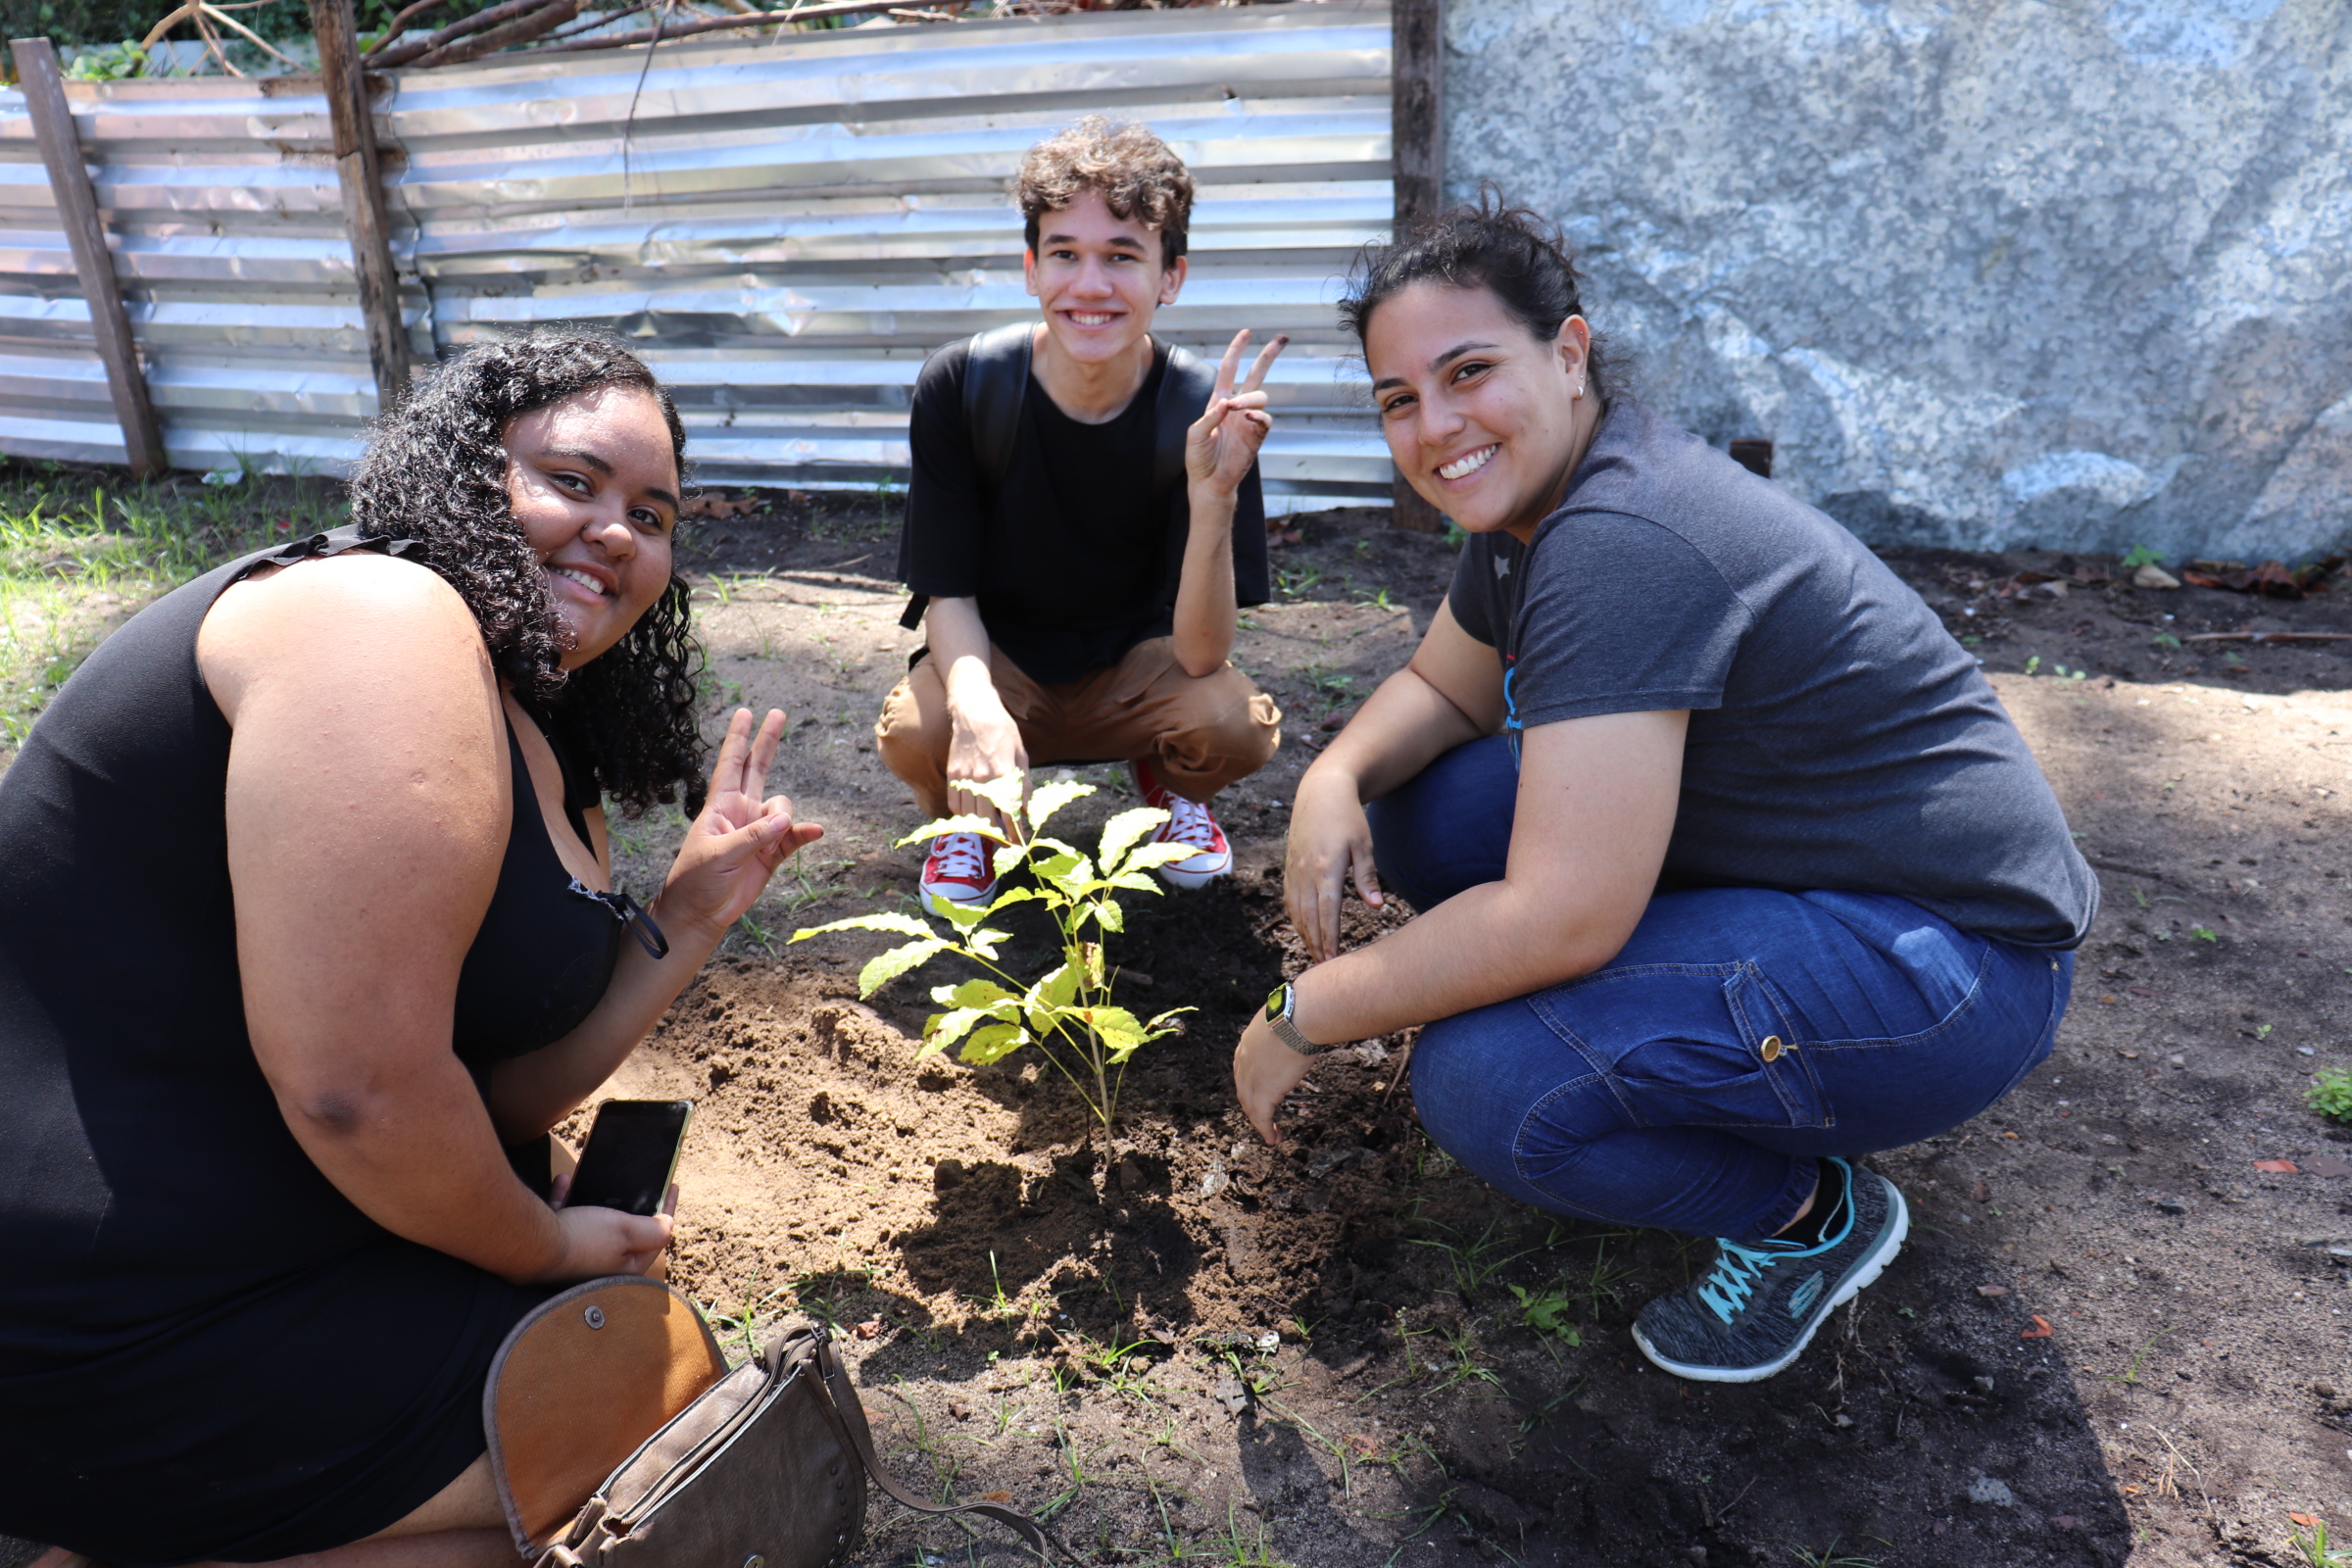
point(1224, 440)
point(737, 843)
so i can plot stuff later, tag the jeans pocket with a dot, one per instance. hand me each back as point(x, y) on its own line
point(1688, 1044)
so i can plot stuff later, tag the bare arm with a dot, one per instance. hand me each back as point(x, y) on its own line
point(1596, 809)
point(730, 851)
point(984, 743)
point(366, 809)
point(1450, 693)
point(1218, 452)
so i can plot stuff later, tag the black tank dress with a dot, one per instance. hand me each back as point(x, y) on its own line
point(206, 1350)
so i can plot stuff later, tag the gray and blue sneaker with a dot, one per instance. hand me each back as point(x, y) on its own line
point(1756, 1309)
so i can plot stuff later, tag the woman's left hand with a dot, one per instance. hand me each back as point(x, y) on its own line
point(737, 843)
point(1265, 1070)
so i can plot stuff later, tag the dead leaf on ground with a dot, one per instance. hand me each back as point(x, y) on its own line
point(711, 506)
point(1362, 1445)
point(996, 1497)
point(2306, 1521)
point(868, 1329)
point(1982, 1193)
point(2040, 1330)
point(2278, 1167)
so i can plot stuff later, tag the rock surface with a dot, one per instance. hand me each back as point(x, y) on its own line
point(1987, 275)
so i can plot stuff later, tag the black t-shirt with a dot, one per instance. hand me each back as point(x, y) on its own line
point(1839, 738)
point(1075, 560)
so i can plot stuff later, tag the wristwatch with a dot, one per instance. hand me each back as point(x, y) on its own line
point(1279, 1006)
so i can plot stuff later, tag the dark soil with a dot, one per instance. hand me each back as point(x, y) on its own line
point(1182, 1345)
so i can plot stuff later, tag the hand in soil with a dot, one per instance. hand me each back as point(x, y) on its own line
point(736, 845)
point(1330, 839)
point(1265, 1070)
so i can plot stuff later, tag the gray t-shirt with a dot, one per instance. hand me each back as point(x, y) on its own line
point(1839, 738)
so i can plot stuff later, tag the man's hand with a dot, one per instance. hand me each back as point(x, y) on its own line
point(984, 744)
point(1224, 440)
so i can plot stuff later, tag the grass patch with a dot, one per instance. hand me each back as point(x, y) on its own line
point(82, 549)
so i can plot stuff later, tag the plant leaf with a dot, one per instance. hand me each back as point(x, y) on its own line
point(1132, 881)
point(1109, 914)
point(971, 994)
point(983, 942)
point(1116, 1025)
point(1123, 832)
point(1051, 798)
point(881, 970)
point(993, 1044)
point(1003, 792)
point(1006, 857)
point(943, 1029)
point(955, 824)
point(1151, 857)
point(1050, 996)
point(906, 925)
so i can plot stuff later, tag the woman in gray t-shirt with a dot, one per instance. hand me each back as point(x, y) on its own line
point(1731, 867)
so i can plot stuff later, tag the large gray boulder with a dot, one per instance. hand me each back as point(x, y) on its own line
point(1988, 273)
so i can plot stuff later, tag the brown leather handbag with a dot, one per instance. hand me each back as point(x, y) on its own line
point(620, 1440)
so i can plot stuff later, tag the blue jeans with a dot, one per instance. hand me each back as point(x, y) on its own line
point(1650, 1092)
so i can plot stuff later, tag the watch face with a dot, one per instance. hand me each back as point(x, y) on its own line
point(1274, 1002)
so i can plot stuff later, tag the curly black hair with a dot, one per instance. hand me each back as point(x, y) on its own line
point(436, 472)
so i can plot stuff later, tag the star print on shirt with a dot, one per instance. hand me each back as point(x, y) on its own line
point(1503, 567)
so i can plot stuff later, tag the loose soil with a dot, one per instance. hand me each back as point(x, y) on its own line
point(2107, 1341)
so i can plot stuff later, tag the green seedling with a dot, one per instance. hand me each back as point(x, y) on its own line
point(2204, 933)
point(2141, 556)
point(2262, 1031)
point(1475, 1263)
point(2310, 1543)
point(1067, 1013)
point(1547, 1313)
point(2330, 1095)
point(2064, 673)
point(2165, 639)
point(2033, 664)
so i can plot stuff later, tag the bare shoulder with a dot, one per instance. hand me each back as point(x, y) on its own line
point(321, 622)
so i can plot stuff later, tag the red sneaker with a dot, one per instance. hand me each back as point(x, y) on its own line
point(957, 871)
point(1190, 823)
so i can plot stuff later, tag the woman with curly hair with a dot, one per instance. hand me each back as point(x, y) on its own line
point(306, 939)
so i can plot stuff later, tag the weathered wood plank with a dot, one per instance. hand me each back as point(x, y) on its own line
point(1417, 139)
point(44, 90)
point(359, 171)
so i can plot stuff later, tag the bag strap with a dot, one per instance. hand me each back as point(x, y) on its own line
point(996, 382)
point(849, 1423)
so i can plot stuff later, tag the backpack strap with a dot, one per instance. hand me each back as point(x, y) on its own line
point(1184, 392)
point(996, 382)
point(840, 1402)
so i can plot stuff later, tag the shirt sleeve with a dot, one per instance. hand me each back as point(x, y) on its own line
point(1621, 617)
point(1472, 597)
point(940, 542)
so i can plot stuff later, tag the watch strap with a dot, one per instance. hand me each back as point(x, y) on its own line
point(1278, 1018)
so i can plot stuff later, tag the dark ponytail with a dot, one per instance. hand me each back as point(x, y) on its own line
point(1509, 251)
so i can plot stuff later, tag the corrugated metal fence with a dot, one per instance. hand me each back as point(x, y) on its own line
point(784, 228)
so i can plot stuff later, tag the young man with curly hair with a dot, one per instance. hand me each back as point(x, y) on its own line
point(1083, 522)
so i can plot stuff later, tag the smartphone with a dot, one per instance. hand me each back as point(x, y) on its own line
point(632, 1153)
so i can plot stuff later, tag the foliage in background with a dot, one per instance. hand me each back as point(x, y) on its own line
point(83, 548)
point(1067, 1013)
point(2331, 1094)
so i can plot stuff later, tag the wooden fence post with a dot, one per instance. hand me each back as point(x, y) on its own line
point(361, 174)
point(93, 264)
point(1417, 139)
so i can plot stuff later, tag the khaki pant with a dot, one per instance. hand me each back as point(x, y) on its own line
point(1199, 734)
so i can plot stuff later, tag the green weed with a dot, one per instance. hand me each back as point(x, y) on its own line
point(2331, 1094)
point(2141, 556)
point(2310, 1543)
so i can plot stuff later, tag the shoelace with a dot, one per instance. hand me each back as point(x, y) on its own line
point(1189, 822)
point(1733, 1281)
point(960, 858)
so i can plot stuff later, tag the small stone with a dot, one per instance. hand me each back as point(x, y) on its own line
point(2176, 1061)
point(1982, 1385)
point(2305, 1050)
point(1992, 1492)
point(2154, 576)
point(1841, 1421)
point(2326, 1390)
point(2171, 1206)
point(2063, 1521)
point(1989, 1290)
point(1698, 1555)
